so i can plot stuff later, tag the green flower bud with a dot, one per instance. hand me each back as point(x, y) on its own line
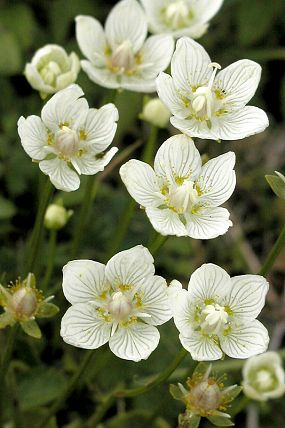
point(56, 217)
point(156, 113)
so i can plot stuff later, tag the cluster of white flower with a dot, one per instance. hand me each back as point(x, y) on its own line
point(123, 302)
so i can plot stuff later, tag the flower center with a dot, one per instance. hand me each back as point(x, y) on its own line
point(24, 303)
point(123, 58)
point(66, 141)
point(205, 396)
point(177, 14)
point(214, 319)
point(264, 380)
point(203, 99)
point(120, 306)
point(50, 72)
point(182, 197)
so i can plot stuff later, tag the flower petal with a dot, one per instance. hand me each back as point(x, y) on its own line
point(88, 164)
point(217, 180)
point(204, 10)
point(81, 326)
point(165, 221)
point(157, 52)
point(138, 83)
point(60, 174)
point(100, 127)
point(153, 13)
point(65, 108)
point(195, 128)
point(83, 280)
point(101, 76)
point(176, 158)
point(201, 347)
point(238, 82)
point(247, 295)
point(34, 136)
point(126, 21)
point(208, 223)
point(134, 342)
point(91, 39)
point(189, 65)
point(209, 282)
point(130, 267)
point(245, 340)
point(169, 96)
point(35, 79)
point(141, 183)
point(155, 301)
point(183, 311)
point(243, 123)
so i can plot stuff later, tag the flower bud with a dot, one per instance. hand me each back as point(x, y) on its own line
point(51, 69)
point(56, 216)
point(156, 113)
point(264, 377)
point(24, 303)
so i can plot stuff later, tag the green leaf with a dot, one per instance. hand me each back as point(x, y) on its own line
point(231, 392)
point(220, 421)
point(7, 208)
point(10, 54)
point(176, 392)
point(6, 319)
point(40, 386)
point(47, 310)
point(31, 328)
point(277, 184)
point(189, 420)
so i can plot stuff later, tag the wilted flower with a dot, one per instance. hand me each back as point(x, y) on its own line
point(217, 314)
point(56, 216)
point(208, 106)
point(51, 69)
point(205, 396)
point(264, 377)
point(23, 302)
point(69, 138)
point(180, 196)
point(180, 17)
point(155, 113)
point(120, 303)
point(119, 57)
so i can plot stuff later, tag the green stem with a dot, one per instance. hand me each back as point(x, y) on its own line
point(157, 243)
point(274, 253)
point(38, 227)
point(161, 378)
point(5, 363)
point(50, 261)
point(89, 195)
point(100, 412)
point(68, 390)
point(150, 145)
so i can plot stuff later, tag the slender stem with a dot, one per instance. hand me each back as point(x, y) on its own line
point(50, 260)
point(5, 363)
point(89, 195)
point(101, 411)
point(150, 145)
point(274, 253)
point(38, 227)
point(161, 378)
point(68, 390)
point(157, 243)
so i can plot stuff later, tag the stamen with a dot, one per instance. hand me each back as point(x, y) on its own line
point(216, 67)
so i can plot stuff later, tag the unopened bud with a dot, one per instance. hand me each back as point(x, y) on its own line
point(56, 217)
point(24, 303)
point(206, 396)
point(156, 113)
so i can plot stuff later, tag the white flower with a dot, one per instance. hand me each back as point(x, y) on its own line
point(51, 69)
point(208, 106)
point(264, 377)
point(217, 314)
point(180, 17)
point(119, 57)
point(120, 303)
point(155, 112)
point(69, 138)
point(181, 197)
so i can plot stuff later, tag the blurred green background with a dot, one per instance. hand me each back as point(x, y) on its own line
point(242, 29)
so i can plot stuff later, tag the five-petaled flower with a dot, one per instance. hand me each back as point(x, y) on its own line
point(207, 105)
point(69, 138)
point(181, 197)
point(217, 314)
point(120, 57)
point(120, 303)
point(180, 17)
